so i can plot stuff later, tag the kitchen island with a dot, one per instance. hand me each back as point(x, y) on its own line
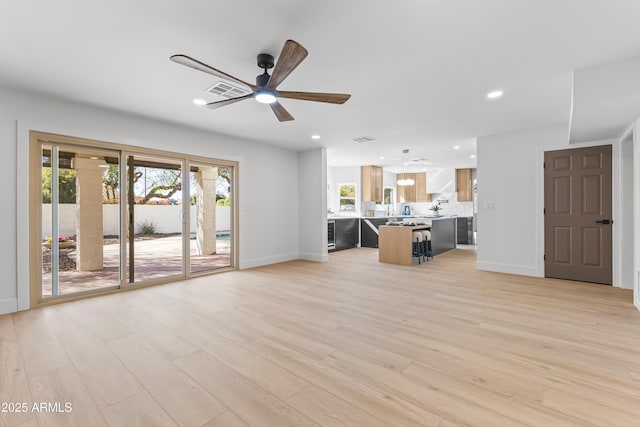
point(398, 239)
point(396, 243)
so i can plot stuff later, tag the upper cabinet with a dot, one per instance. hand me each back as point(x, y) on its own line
point(416, 193)
point(372, 184)
point(441, 181)
point(406, 193)
point(421, 188)
point(464, 185)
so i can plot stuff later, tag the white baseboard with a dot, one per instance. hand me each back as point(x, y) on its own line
point(314, 257)
point(8, 305)
point(257, 262)
point(521, 270)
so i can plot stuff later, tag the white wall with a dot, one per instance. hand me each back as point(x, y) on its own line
point(344, 175)
point(511, 199)
point(262, 169)
point(166, 218)
point(508, 206)
point(636, 209)
point(312, 211)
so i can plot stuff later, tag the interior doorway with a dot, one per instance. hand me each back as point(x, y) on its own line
point(578, 214)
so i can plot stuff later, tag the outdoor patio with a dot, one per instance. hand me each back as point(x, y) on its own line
point(154, 258)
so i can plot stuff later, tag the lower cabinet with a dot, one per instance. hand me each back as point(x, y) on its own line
point(443, 235)
point(346, 233)
point(465, 230)
point(369, 231)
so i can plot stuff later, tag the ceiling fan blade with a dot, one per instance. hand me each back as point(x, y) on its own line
point(282, 114)
point(291, 56)
point(333, 98)
point(201, 66)
point(218, 104)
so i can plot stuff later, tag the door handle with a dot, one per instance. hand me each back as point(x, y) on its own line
point(605, 221)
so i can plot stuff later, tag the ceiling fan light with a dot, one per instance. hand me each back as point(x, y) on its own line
point(265, 96)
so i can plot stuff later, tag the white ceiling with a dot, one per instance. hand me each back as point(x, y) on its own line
point(606, 100)
point(418, 70)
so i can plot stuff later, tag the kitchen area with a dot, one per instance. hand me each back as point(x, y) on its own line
point(363, 199)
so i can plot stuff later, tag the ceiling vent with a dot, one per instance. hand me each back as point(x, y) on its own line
point(363, 139)
point(419, 161)
point(227, 90)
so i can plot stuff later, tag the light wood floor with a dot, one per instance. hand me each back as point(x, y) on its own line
point(350, 342)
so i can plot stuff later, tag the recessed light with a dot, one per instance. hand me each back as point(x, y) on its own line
point(381, 157)
point(494, 94)
point(200, 102)
point(456, 147)
point(473, 156)
point(315, 136)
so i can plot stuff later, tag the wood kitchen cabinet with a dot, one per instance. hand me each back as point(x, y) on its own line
point(421, 188)
point(416, 193)
point(372, 184)
point(464, 185)
point(406, 193)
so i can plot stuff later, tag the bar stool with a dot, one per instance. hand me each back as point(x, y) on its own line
point(417, 245)
point(426, 244)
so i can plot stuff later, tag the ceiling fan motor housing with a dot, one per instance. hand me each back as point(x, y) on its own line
point(265, 61)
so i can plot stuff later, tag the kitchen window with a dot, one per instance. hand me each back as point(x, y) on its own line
point(347, 196)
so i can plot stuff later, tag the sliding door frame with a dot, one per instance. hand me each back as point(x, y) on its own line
point(35, 214)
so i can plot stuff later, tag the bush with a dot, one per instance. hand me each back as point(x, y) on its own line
point(224, 202)
point(147, 228)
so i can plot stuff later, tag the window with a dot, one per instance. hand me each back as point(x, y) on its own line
point(388, 196)
point(347, 197)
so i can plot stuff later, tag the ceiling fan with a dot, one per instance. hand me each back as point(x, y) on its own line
point(264, 91)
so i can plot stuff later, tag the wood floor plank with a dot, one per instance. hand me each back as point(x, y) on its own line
point(40, 348)
point(104, 375)
point(252, 403)
point(331, 411)
point(348, 342)
point(139, 410)
point(228, 419)
point(370, 398)
point(530, 412)
point(187, 403)
point(271, 377)
point(589, 411)
point(13, 378)
point(427, 395)
point(64, 386)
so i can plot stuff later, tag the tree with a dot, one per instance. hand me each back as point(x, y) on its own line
point(111, 184)
point(149, 183)
point(66, 187)
point(157, 183)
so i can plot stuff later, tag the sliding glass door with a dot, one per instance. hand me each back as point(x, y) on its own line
point(155, 217)
point(108, 217)
point(211, 204)
point(80, 229)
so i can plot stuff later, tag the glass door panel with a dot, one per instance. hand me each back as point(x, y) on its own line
point(80, 219)
point(211, 207)
point(156, 218)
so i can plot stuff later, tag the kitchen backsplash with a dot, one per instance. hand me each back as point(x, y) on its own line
point(452, 207)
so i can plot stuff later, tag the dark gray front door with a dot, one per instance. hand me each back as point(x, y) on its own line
point(578, 216)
